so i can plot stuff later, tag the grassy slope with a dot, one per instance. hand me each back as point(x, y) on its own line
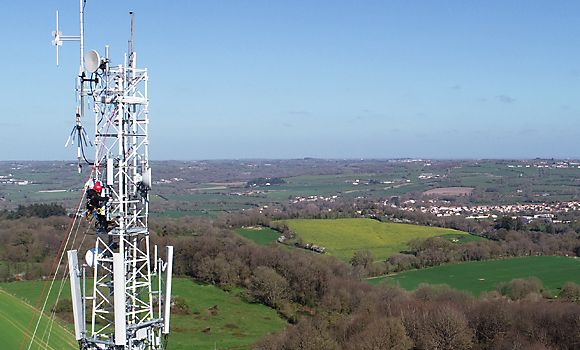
point(553, 271)
point(343, 237)
point(186, 330)
point(29, 292)
point(252, 320)
point(15, 316)
point(260, 235)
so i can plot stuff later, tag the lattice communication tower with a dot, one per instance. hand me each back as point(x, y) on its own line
point(128, 306)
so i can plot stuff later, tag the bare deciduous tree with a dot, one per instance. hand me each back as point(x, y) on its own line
point(447, 328)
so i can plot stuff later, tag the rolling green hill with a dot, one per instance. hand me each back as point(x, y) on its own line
point(234, 323)
point(15, 316)
point(343, 237)
point(553, 271)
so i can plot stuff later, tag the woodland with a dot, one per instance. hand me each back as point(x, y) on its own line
point(326, 301)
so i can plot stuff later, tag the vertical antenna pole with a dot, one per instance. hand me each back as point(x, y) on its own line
point(131, 41)
point(132, 21)
point(57, 37)
point(82, 69)
point(82, 34)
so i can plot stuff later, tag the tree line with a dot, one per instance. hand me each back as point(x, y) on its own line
point(39, 210)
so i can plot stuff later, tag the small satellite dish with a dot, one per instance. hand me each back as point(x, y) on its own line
point(92, 61)
point(147, 178)
point(91, 256)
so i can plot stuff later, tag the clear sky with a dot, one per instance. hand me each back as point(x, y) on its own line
point(293, 79)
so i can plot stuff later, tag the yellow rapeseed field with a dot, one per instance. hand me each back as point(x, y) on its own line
point(343, 237)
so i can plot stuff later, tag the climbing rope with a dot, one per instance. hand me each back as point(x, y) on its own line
point(63, 245)
point(58, 258)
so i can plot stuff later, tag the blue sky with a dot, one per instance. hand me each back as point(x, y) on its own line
point(293, 79)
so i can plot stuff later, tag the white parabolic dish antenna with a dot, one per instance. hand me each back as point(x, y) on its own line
point(147, 178)
point(91, 256)
point(92, 61)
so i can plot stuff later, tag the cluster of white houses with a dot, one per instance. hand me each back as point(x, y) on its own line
point(535, 211)
point(314, 199)
point(9, 180)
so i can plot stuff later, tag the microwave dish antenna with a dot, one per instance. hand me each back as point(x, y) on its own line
point(92, 255)
point(93, 61)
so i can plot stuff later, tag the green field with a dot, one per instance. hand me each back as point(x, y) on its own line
point(236, 324)
point(29, 292)
point(461, 238)
point(343, 184)
point(15, 316)
point(258, 234)
point(343, 237)
point(553, 271)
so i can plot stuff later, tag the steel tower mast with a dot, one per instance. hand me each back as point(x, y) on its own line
point(127, 310)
